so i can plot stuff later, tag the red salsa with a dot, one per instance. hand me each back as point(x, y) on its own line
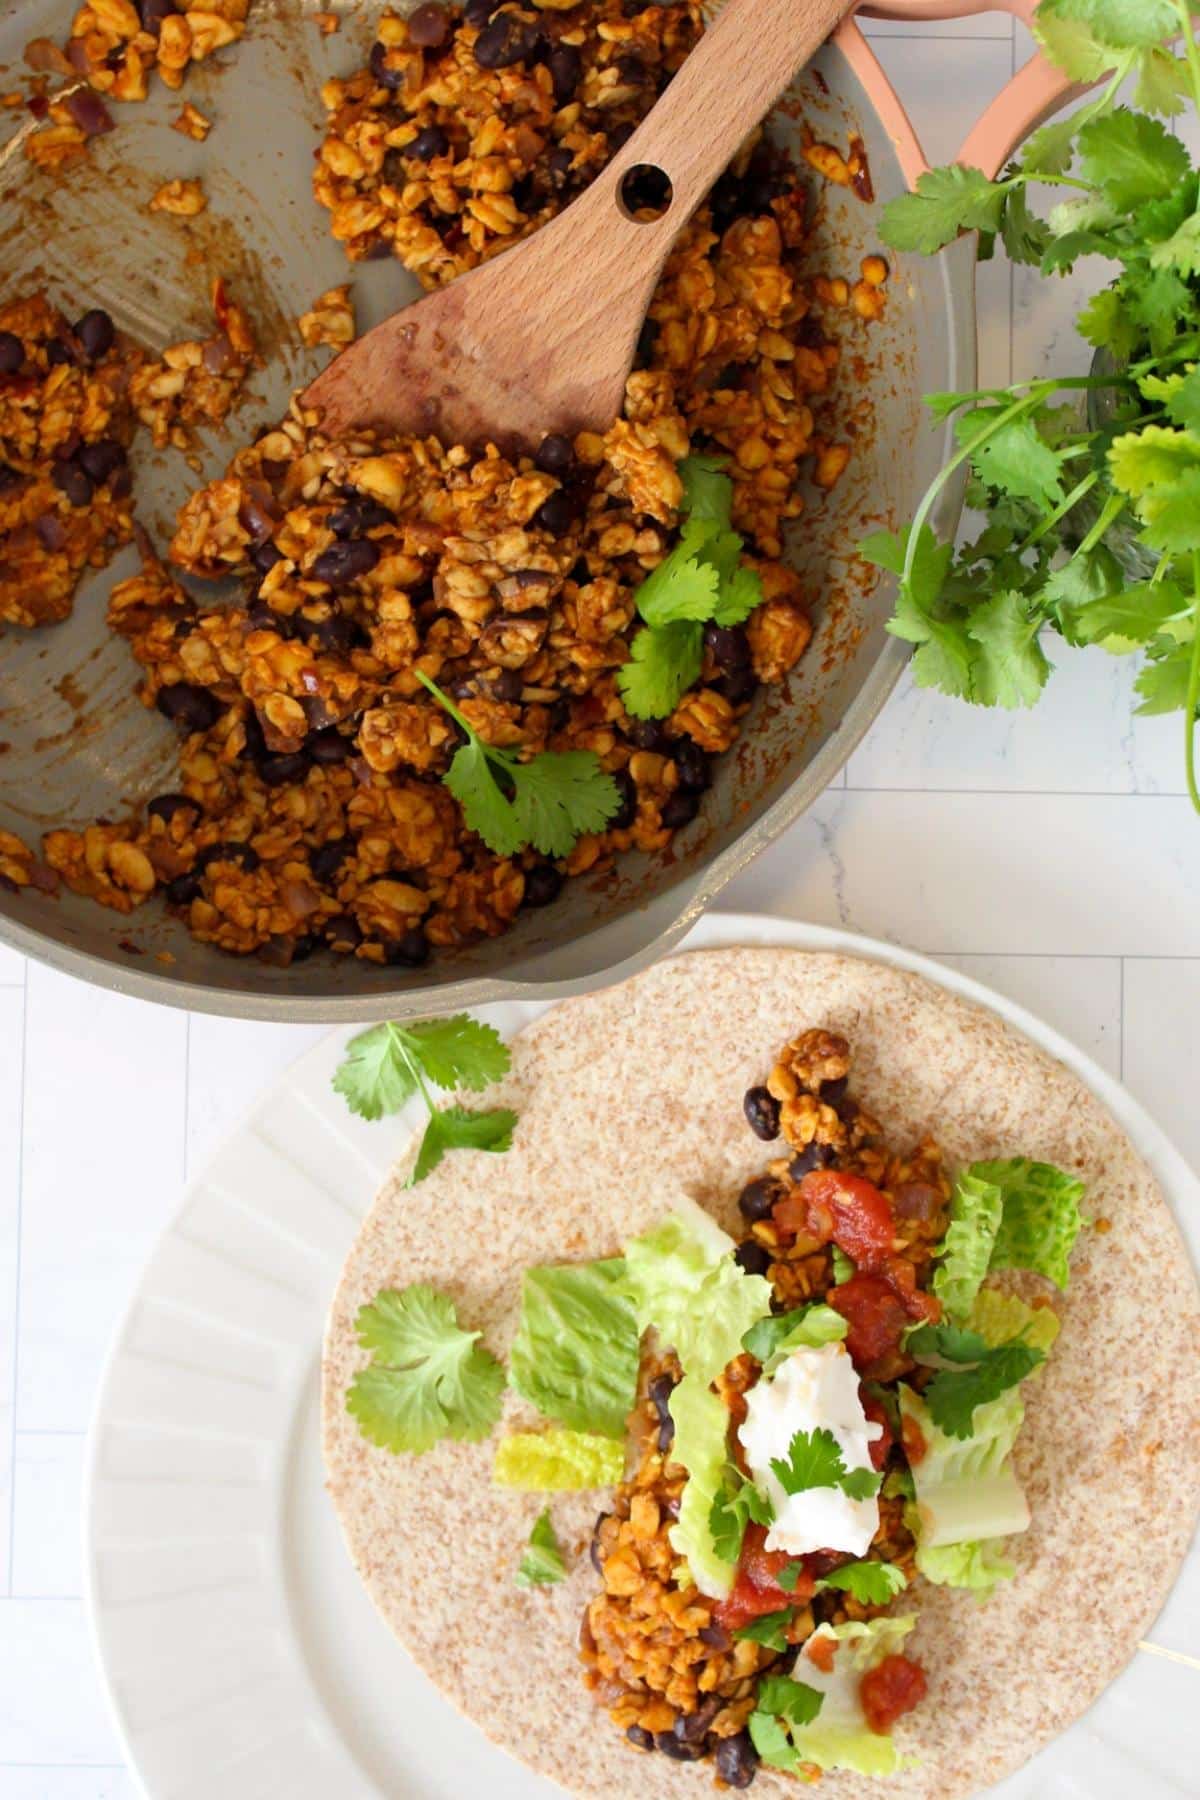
point(892, 1688)
point(756, 1590)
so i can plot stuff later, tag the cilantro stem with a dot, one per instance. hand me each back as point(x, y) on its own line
point(1112, 509)
point(445, 702)
point(411, 1064)
point(1193, 687)
point(1060, 512)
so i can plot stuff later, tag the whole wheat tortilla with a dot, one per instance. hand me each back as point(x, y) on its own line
point(628, 1097)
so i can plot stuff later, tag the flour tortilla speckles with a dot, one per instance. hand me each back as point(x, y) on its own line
point(627, 1097)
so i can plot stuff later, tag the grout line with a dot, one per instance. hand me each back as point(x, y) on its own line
point(1121, 1046)
point(49, 1432)
point(16, 1328)
point(1024, 793)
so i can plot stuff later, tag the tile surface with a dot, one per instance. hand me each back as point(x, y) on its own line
point(1049, 856)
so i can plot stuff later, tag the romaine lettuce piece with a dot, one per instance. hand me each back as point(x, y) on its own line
point(1040, 1220)
point(684, 1284)
point(977, 1565)
point(702, 1447)
point(838, 1737)
point(966, 1488)
point(546, 1462)
point(576, 1352)
point(966, 1249)
point(999, 1318)
point(773, 1339)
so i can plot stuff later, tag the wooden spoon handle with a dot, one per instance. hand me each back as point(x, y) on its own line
point(748, 57)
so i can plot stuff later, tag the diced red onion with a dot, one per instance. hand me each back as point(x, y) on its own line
point(89, 112)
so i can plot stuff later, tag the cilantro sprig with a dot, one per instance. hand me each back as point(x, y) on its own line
point(970, 1372)
point(870, 1583)
point(737, 1503)
point(548, 801)
point(702, 580)
point(1062, 498)
point(427, 1379)
point(814, 1460)
point(386, 1065)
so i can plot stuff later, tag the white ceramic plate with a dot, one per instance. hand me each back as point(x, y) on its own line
point(242, 1656)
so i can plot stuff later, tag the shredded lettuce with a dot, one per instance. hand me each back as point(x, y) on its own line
point(966, 1249)
point(701, 1447)
point(575, 1356)
point(977, 1565)
point(546, 1462)
point(772, 1339)
point(999, 1318)
point(684, 1284)
point(1040, 1220)
point(966, 1489)
point(838, 1737)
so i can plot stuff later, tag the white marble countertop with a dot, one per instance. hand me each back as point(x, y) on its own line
point(1052, 855)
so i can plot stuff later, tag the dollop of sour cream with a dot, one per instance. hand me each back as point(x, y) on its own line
point(810, 1390)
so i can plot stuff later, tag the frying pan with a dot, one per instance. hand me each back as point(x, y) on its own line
point(77, 744)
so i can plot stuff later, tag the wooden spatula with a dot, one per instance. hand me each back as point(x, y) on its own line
point(542, 338)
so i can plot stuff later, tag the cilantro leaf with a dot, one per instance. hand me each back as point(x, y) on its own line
point(1183, 402)
point(685, 584)
point(662, 665)
point(427, 1378)
point(861, 1484)
point(707, 489)
point(1070, 44)
point(775, 1748)
point(1133, 616)
point(739, 597)
point(789, 1576)
point(870, 1583)
point(782, 1697)
point(1106, 323)
point(1163, 683)
point(1013, 457)
point(953, 1394)
point(1131, 158)
point(1155, 456)
point(454, 1128)
point(376, 1076)
point(1181, 251)
point(1172, 515)
point(946, 202)
point(459, 1052)
point(769, 1630)
point(1120, 24)
point(737, 1503)
point(1162, 83)
point(1012, 668)
point(950, 1343)
point(814, 1460)
point(542, 1564)
point(548, 802)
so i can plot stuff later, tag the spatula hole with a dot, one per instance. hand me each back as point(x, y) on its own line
point(646, 193)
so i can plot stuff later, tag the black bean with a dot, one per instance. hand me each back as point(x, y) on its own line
point(762, 1112)
point(594, 1553)
point(183, 890)
point(154, 12)
point(12, 353)
point(543, 884)
point(95, 332)
point(566, 66)
point(331, 629)
point(638, 1735)
point(120, 485)
point(674, 1747)
point(283, 769)
point(555, 454)
point(757, 1198)
point(618, 137)
point(9, 477)
point(165, 806)
point(739, 686)
point(343, 934)
point(70, 479)
point(650, 734)
point(478, 12)
point(715, 1636)
point(328, 746)
point(561, 162)
point(692, 1728)
point(693, 766)
point(846, 1109)
point(626, 813)
point(231, 850)
point(101, 460)
point(813, 1156)
point(556, 514)
point(752, 1257)
point(58, 351)
point(429, 26)
point(192, 707)
point(427, 144)
point(729, 645)
point(262, 617)
point(385, 76)
point(358, 517)
point(304, 946)
point(647, 339)
point(326, 861)
point(659, 1393)
point(256, 743)
point(52, 533)
point(409, 952)
point(680, 809)
point(507, 686)
point(506, 40)
point(833, 1091)
point(265, 556)
point(345, 562)
point(737, 1760)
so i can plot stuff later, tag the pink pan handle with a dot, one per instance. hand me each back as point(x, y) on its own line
point(1033, 94)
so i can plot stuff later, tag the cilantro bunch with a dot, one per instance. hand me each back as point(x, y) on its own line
point(1069, 503)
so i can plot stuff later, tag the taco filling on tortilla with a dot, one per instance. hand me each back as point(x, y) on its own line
point(797, 1426)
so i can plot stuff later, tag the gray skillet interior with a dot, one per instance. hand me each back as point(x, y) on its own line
point(77, 745)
